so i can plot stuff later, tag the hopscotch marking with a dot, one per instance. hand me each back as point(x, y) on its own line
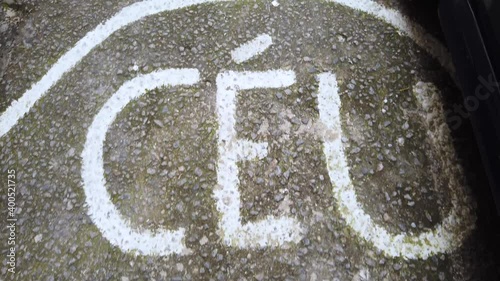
point(271, 231)
point(252, 48)
point(101, 209)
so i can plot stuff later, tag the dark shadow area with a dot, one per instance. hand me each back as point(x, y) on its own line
point(423, 12)
point(481, 251)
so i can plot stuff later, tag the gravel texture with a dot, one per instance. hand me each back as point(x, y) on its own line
point(160, 154)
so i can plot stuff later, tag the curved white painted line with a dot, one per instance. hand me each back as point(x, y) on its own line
point(406, 26)
point(443, 238)
point(101, 209)
point(139, 10)
point(93, 38)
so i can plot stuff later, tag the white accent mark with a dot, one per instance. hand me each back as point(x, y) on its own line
point(100, 207)
point(252, 48)
point(270, 231)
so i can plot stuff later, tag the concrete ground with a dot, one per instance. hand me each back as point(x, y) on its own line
point(408, 203)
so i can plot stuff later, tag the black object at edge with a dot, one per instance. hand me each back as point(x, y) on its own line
point(470, 34)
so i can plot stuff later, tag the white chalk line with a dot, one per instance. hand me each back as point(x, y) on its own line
point(251, 48)
point(101, 209)
point(271, 231)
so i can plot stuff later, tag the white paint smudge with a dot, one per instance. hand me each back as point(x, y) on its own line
point(100, 207)
point(271, 231)
point(252, 48)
